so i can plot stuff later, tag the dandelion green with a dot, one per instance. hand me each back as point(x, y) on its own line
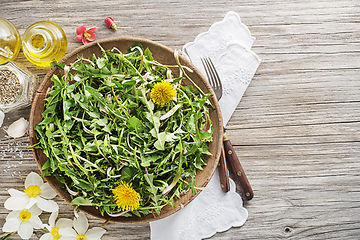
point(99, 121)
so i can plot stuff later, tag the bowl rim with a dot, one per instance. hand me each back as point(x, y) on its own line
point(42, 91)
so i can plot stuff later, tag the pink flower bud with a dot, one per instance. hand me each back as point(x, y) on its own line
point(110, 22)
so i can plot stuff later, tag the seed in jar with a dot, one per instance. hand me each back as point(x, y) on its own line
point(9, 86)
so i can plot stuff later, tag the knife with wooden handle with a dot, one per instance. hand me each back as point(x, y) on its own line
point(236, 169)
point(223, 173)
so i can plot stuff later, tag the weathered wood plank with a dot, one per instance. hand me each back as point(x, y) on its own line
point(296, 129)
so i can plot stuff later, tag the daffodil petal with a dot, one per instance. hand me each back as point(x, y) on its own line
point(46, 205)
point(53, 218)
point(81, 224)
point(95, 233)
point(16, 203)
point(35, 210)
point(67, 232)
point(36, 222)
point(68, 238)
point(46, 236)
point(16, 193)
point(47, 192)
point(25, 230)
point(64, 223)
point(33, 179)
point(31, 203)
point(13, 214)
point(11, 225)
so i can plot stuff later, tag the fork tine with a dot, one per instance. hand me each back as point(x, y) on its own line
point(209, 72)
point(216, 77)
point(206, 67)
point(212, 76)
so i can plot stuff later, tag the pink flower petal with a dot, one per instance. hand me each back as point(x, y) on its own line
point(92, 36)
point(92, 29)
point(80, 29)
point(85, 41)
point(79, 38)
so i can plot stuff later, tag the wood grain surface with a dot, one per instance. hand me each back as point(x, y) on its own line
point(296, 129)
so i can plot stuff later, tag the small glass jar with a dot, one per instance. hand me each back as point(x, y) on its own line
point(17, 86)
point(10, 41)
point(43, 43)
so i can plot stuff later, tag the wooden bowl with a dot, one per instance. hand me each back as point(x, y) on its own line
point(163, 55)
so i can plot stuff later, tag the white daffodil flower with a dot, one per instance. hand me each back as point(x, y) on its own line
point(81, 231)
point(54, 228)
point(23, 221)
point(36, 192)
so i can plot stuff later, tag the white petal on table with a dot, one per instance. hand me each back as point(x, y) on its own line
point(95, 233)
point(36, 222)
point(53, 218)
point(68, 232)
point(64, 223)
point(68, 238)
point(14, 192)
point(13, 214)
point(46, 205)
point(17, 202)
point(31, 203)
point(35, 210)
point(81, 223)
point(47, 191)
point(18, 128)
point(33, 179)
point(47, 236)
point(25, 230)
point(12, 224)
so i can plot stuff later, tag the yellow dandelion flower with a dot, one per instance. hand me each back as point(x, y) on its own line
point(163, 92)
point(126, 197)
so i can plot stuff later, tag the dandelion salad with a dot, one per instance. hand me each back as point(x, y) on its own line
point(123, 134)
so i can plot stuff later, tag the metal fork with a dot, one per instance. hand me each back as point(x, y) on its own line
point(216, 85)
point(212, 76)
point(230, 155)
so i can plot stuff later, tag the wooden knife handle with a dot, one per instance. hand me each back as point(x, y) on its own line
point(237, 170)
point(223, 173)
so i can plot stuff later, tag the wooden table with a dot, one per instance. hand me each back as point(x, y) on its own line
point(296, 129)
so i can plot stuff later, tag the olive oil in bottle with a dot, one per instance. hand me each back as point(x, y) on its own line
point(43, 43)
point(10, 41)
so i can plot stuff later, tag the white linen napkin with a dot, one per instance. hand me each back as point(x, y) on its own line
point(228, 45)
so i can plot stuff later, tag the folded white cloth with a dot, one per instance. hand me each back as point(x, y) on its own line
point(228, 45)
point(210, 212)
